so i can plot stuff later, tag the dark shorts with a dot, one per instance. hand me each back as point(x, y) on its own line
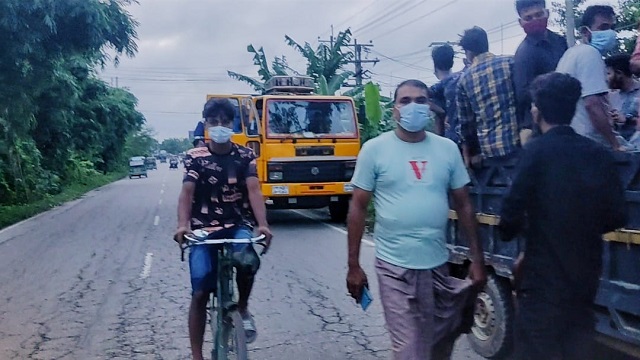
point(203, 259)
point(545, 330)
point(425, 310)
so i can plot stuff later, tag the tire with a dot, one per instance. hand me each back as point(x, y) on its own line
point(234, 337)
point(492, 333)
point(130, 177)
point(338, 211)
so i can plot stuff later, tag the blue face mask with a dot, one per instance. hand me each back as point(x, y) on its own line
point(604, 40)
point(220, 134)
point(416, 117)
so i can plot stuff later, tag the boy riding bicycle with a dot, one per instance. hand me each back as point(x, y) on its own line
point(220, 193)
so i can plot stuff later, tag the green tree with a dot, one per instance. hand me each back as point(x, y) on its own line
point(324, 64)
point(175, 145)
point(49, 50)
point(627, 11)
point(141, 143)
point(278, 67)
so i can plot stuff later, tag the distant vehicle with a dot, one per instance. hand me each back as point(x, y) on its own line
point(151, 163)
point(162, 156)
point(173, 163)
point(137, 167)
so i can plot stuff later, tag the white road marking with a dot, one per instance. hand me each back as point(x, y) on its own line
point(162, 191)
point(340, 230)
point(156, 221)
point(146, 269)
point(160, 202)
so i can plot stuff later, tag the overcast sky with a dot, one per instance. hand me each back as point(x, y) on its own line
point(187, 46)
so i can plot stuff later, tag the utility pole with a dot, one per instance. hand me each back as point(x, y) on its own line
point(330, 41)
point(571, 23)
point(357, 60)
point(360, 74)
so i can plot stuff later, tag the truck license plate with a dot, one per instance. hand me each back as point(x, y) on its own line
point(280, 190)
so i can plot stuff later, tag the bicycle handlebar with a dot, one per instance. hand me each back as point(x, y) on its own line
point(199, 240)
point(200, 237)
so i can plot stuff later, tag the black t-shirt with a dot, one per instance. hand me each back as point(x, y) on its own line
point(221, 198)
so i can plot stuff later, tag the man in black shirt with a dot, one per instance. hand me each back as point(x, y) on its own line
point(565, 194)
point(538, 54)
point(220, 194)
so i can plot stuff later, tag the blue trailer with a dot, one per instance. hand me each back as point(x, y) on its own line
point(617, 303)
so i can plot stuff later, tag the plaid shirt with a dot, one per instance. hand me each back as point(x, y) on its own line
point(487, 105)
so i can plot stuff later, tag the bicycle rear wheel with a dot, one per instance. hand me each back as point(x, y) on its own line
point(233, 339)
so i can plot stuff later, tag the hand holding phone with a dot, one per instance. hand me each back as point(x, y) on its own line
point(365, 298)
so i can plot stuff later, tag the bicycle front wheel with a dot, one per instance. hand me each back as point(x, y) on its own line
point(233, 339)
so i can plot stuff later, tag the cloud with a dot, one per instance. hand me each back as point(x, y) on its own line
point(187, 46)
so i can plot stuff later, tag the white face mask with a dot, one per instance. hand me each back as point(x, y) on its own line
point(415, 117)
point(220, 134)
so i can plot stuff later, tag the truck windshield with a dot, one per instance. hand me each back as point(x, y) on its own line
point(311, 118)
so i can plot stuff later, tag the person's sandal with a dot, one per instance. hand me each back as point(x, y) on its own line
point(249, 325)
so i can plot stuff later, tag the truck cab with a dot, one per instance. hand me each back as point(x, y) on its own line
point(306, 144)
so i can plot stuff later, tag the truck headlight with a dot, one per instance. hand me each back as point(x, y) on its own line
point(275, 175)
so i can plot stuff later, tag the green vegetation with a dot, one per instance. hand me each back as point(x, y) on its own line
point(62, 129)
point(175, 146)
point(324, 64)
point(11, 214)
point(628, 12)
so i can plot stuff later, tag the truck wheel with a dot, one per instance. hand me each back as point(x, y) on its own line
point(338, 211)
point(491, 335)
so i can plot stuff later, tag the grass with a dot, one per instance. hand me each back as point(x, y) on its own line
point(12, 214)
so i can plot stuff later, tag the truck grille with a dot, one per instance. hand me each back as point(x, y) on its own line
point(316, 171)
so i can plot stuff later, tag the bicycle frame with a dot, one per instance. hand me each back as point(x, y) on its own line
point(223, 303)
point(224, 296)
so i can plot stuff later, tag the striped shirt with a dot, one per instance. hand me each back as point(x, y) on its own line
point(487, 105)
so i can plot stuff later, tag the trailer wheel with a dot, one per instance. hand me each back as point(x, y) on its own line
point(492, 333)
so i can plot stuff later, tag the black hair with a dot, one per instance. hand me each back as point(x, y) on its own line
point(589, 16)
point(412, 82)
point(619, 62)
point(443, 57)
point(556, 96)
point(475, 40)
point(215, 107)
point(522, 5)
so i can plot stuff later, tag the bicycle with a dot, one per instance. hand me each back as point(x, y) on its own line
point(230, 342)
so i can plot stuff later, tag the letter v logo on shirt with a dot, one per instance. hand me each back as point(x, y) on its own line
point(419, 168)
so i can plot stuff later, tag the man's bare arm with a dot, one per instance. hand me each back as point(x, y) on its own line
point(597, 109)
point(467, 218)
point(184, 203)
point(356, 223)
point(468, 223)
point(257, 201)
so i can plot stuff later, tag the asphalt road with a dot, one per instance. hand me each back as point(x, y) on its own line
point(100, 278)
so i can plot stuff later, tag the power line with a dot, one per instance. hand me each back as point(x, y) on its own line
point(386, 33)
point(388, 15)
point(411, 66)
point(349, 18)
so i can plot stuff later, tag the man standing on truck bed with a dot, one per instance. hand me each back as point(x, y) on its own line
point(410, 173)
point(565, 194)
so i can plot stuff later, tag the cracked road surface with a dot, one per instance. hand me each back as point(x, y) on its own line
point(100, 278)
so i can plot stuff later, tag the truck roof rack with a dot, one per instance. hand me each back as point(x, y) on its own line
point(281, 84)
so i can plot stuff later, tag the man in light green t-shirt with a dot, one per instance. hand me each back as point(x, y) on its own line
point(410, 174)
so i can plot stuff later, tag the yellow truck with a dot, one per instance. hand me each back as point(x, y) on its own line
point(306, 144)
